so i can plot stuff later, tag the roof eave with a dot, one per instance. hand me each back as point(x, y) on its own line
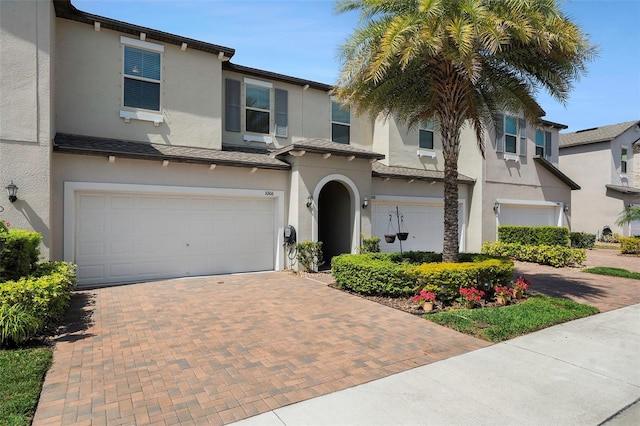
point(294, 147)
point(556, 172)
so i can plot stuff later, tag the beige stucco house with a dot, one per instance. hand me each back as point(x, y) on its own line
point(142, 155)
point(602, 160)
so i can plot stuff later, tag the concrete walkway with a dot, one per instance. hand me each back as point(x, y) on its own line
point(584, 372)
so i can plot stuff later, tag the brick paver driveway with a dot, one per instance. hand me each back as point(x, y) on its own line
point(218, 349)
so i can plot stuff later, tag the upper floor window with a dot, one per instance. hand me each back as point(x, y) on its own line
point(426, 130)
point(258, 109)
point(623, 160)
point(511, 135)
point(543, 144)
point(340, 123)
point(141, 73)
point(259, 106)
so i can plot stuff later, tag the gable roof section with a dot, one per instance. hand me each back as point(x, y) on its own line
point(323, 146)
point(89, 145)
point(64, 9)
point(556, 172)
point(254, 72)
point(382, 171)
point(596, 134)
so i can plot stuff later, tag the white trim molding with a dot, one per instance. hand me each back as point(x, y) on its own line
point(142, 116)
point(141, 44)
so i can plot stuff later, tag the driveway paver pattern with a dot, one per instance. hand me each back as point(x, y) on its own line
point(218, 349)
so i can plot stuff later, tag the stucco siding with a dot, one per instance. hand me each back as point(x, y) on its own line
point(81, 168)
point(90, 90)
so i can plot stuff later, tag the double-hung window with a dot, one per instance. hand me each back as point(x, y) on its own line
point(509, 131)
point(623, 160)
point(340, 123)
point(258, 109)
point(426, 130)
point(142, 70)
point(543, 144)
point(510, 134)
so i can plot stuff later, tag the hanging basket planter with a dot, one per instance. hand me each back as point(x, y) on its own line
point(402, 236)
point(390, 238)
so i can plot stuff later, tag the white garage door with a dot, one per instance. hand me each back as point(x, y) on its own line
point(423, 221)
point(128, 237)
point(528, 215)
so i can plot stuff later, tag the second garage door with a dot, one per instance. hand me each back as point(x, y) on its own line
point(127, 237)
point(528, 215)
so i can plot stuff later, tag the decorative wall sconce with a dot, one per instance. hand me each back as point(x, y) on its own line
point(309, 200)
point(12, 191)
point(365, 203)
point(496, 207)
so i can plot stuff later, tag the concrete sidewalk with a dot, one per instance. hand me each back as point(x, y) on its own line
point(585, 372)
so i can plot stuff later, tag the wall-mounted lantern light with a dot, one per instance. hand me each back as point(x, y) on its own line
point(12, 191)
point(309, 200)
point(566, 208)
point(365, 203)
point(496, 207)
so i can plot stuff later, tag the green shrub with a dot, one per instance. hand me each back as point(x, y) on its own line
point(534, 235)
point(450, 277)
point(20, 253)
point(310, 255)
point(557, 256)
point(582, 240)
point(415, 257)
point(44, 295)
point(373, 274)
point(630, 245)
point(17, 325)
point(370, 245)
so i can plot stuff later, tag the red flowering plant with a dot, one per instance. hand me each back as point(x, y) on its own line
point(424, 296)
point(504, 291)
point(521, 285)
point(470, 295)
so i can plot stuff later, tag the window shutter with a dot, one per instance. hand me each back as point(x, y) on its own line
point(232, 105)
point(522, 127)
point(547, 145)
point(500, 133)
point(282, 105)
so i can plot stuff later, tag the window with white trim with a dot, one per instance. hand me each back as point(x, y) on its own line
point(510, 130)
point(511, 134)
point(142, 78)
point(623, 160)
point(543, 144)
point(340, 123)
point(425, 134)
point(257, 109)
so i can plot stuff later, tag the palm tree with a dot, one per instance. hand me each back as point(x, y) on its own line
point(457, 62)
point(628, 215)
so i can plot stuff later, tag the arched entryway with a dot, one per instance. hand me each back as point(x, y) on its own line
point(335, 220)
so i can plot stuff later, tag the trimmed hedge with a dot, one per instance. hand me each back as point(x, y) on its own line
point(373, 274)
point(450, 277)
point(395, 275)
point(20, 253)
point(630, 245)
point(43, 296)
point(534, 235)
point(582, 240)
point(557, 256)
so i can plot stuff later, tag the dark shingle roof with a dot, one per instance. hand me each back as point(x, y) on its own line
point(382, 171)
point(64, 9)
point(323, 146)
point(228, 66)
point(89, 145)
point(556, 172)
point(595, 135)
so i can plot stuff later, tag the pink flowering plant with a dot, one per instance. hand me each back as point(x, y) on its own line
point(424, 296)
point(521, 285)
point(470, 294)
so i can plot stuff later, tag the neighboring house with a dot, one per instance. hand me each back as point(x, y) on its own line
point(602, 160)
point(143, 155)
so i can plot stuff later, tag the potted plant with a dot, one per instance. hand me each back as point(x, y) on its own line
point(520, 287)
point(390, 238)
point(503, 294)
point(425, 299)
point(469, 296)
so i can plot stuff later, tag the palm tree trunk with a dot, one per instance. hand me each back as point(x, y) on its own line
point(450, 246)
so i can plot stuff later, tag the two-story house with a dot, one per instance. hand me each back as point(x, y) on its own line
point(142, 155)
point(603, 161)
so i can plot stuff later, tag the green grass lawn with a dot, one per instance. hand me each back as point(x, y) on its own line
point(613, 272)
point(503, 323)
point(21, 374)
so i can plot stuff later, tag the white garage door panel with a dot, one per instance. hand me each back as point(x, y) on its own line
point(130, 237)
point(423, 221)
point(527, 215)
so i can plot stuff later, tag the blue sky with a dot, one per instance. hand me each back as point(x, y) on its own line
point(301, 38)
